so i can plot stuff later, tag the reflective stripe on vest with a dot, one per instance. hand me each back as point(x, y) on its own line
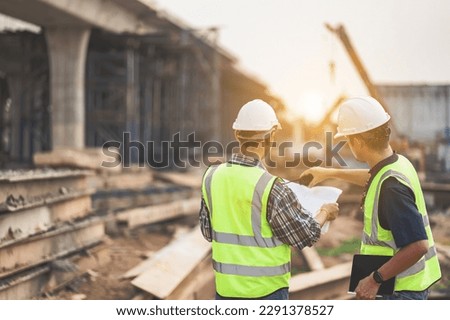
point(420, 265)
point(251, 271)
point(426, 271)
point(257, 240)
point(208, 179)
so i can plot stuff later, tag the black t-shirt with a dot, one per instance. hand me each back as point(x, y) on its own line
point(397, 210)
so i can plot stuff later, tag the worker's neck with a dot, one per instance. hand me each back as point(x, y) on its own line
point(375, 157)
point(255, 153)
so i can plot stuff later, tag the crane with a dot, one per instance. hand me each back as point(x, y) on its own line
point(340, 32)
point(398, 142)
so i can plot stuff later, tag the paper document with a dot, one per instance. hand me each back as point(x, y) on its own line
point(313, 198)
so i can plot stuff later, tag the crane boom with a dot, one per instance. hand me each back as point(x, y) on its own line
point(340, 32)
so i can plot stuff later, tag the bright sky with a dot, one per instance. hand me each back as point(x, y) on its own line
point(285, 45)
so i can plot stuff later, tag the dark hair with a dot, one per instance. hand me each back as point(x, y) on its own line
point(252, 139)
point(252, 135)
point(376, 139)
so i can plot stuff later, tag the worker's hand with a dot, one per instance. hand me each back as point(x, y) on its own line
point(332, 210)
point(318, 175)
point(367, 288)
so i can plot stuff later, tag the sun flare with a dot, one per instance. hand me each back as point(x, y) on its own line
point(310, 106)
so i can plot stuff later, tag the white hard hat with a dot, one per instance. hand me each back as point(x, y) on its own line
point(256, 115)
point(360, 114)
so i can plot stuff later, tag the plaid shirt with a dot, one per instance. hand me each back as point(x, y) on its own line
point(290, 223)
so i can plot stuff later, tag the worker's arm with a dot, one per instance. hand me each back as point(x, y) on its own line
point(328, 212)
point(319, 174)
point(398, 213)
point(402, 260)
point(290, 222)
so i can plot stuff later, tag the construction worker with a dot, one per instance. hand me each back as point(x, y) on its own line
point(251, 217)
point(395, 217)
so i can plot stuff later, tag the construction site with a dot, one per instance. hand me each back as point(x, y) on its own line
point(96, 203)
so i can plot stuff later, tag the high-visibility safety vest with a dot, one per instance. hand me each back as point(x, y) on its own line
point(248, 261)
point(379, 241)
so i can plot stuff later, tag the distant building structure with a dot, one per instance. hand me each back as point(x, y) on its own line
point(422, 114)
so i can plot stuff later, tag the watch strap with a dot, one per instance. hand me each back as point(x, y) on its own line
point(378, 277)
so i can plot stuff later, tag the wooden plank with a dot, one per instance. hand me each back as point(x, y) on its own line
point(144, 265)
point(199, 285)
point(21, 254)
point(24, 223)
point(329, 283)
point(192, 180)
point(126, 199)
point(92, 159)
point(171, 265)
point(138, 178)
point(151, 214)
point(41, 174)
point(312, 258)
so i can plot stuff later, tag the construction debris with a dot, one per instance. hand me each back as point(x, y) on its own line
point(49, 217)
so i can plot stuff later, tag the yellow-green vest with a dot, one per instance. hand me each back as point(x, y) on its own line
point(248, 261)
point(379, 241)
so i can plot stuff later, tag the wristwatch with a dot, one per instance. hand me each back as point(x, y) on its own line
point(378, 277)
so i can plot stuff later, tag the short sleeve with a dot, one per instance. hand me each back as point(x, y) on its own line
point(398, 212)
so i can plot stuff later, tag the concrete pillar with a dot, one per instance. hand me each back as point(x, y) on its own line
point(15, 86)
point(67, 49)
point(216, 76)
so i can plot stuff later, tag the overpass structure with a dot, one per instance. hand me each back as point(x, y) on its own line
point(98, 68)
point(67, 25)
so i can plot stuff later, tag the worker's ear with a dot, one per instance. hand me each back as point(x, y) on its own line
point(355, 141)
point(272, 135)
point(360, 142)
